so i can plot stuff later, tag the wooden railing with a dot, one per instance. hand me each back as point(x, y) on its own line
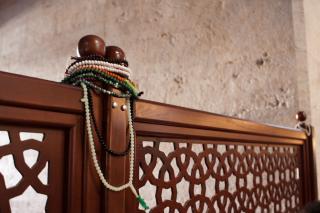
point(186, 160)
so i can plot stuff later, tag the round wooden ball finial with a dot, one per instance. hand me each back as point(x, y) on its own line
point(115, 54)
point(91, 45)
point(301, 116)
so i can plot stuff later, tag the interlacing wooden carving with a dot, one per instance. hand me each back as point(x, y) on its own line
point(31, 169)
point(195, 176)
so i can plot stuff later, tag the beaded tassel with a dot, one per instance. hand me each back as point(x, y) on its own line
point(129, 184)
point(142, 202)
point(84, 73)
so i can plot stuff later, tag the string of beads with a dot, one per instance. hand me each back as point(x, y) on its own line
point(107, 78)
point(86, 72)
point(98, 68)
point(101, 65)
point(99, 135)
point(129, 184)
point(96, 58)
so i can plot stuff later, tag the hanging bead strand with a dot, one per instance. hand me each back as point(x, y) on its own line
point(129, 184)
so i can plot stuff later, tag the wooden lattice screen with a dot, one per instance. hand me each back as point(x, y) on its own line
point(193, 161)
point(187, 160)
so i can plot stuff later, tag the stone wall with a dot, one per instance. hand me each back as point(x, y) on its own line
point(244, 58)
point(229, 57)
point(312, 28)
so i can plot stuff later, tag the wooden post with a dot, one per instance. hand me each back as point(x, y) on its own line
point(116, 118)
point(310, 178)
point(112, 120)
point(116, 166)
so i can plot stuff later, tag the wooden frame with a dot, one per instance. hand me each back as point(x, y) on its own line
point(49, 105)
point(162, 120)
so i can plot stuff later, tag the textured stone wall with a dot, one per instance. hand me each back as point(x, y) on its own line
point(312, 28)
point(229, 57)
point(244, 58)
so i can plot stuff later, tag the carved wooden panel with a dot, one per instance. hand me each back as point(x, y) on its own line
point(197, 176)
point(32, 169)
point(174, 175)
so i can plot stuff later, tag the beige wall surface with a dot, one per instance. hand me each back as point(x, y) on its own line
point(246, 58)
point(224, 56)
point(312, 27)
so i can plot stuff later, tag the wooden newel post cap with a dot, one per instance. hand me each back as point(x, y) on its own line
point(116, 55)
point(301, 116)
point(91, 45)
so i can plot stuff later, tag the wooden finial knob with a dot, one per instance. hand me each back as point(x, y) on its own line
point(115, 54)
point(301, 116)
point(91, 45)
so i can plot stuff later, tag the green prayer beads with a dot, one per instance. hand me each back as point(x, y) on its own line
point(142, 202)
point(103, 77)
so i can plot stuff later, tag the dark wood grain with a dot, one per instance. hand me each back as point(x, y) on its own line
point(55, 109)
point(60, 148)
point(260, 175)
point(159, 113)
point(146, 129)
point(116, 166)
point(28, 92)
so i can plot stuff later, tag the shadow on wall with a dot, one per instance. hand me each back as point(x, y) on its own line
point(13, 8)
